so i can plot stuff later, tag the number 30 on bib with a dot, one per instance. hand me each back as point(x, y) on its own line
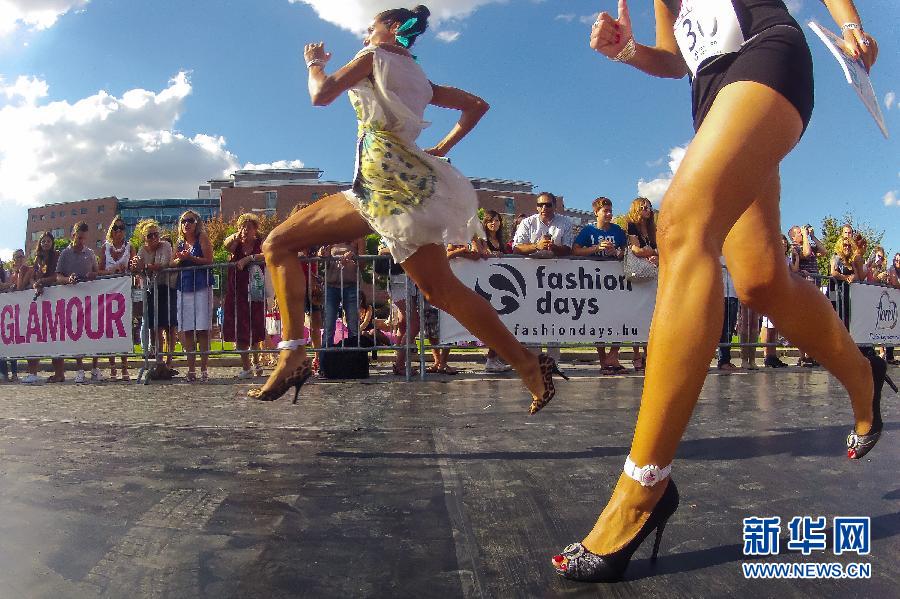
point(707, 28)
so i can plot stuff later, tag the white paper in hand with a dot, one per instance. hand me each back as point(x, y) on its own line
point(854, 71)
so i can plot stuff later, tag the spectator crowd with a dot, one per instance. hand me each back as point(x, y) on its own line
point(175, 278)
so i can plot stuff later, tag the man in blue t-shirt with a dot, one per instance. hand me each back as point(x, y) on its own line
point(605, 240)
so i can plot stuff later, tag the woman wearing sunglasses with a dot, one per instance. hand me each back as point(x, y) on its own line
point(195, 297)
point(115, 259)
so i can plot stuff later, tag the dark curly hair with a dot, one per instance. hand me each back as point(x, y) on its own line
point(402, 15)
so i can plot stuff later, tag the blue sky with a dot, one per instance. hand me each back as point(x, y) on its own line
point(149, 99)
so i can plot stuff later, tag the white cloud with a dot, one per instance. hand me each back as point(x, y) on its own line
point(6, 254)
point(568, 18)
point(589, 19)
point(102, 145)
point(655, 189)
point(448, 36)
point(891, 198)
point(273, 165)
point(356, 15)
point(25, 89)
point(34, 14)
point(889, 99)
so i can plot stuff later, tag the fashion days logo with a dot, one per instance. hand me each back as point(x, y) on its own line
point(508, 290)
point(808, 535)
point(557, 301)
point(885, 313)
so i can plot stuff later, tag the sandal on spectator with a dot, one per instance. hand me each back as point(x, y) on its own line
point(613, 369)
point(727, 366)
point(400, 371)
point(56, 378)
point(434, 369)
point(449, 370)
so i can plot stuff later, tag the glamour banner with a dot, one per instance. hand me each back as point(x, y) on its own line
point(557, 301)
point(873, 314)
point(90, 319)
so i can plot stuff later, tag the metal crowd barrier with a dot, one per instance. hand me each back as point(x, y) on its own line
point(221, 280)
point(215, 285)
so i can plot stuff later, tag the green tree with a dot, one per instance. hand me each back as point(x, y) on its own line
point(831, 231)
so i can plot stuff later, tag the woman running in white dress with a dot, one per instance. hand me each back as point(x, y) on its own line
point(413, 198)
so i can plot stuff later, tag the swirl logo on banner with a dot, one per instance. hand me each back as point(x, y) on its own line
point(508, 292)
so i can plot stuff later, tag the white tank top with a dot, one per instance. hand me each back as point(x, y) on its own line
point(113, 264)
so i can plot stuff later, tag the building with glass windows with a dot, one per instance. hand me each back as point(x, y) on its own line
point(165, 211)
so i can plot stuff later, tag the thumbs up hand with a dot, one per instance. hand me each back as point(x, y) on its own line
point(610, 36)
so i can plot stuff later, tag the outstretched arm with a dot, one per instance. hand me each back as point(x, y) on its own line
point(325, 89)
point(614, 39)
point(472, 107)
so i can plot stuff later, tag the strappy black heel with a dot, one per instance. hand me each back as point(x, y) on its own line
point(859, 445)
point(579, 564)
point(295, 380)
point(548, 369)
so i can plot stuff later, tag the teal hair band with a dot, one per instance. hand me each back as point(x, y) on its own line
point(407, 27)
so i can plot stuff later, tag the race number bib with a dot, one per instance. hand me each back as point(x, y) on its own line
point(707, 28)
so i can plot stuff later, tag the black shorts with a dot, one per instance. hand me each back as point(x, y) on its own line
point(166, 309)
point(778, 58)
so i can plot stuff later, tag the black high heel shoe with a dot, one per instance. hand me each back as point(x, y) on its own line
point(548, 369)
point(295, 380)
point(577, 563)
point(859, 445)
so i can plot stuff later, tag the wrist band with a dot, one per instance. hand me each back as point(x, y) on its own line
point(315, 62)
point(627, 53)
point(847, 26)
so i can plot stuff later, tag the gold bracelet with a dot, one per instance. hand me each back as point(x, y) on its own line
point(627, 53)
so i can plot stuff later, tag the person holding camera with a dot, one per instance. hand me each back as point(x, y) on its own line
point(808, 249)
point(77, 263)
point(545, 234)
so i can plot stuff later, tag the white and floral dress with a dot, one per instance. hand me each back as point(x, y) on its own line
point(410, 198)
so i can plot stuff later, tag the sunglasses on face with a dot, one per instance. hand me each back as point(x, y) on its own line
point(153, 235)
point(188, 221)
point(118, 228)
point(545, 205)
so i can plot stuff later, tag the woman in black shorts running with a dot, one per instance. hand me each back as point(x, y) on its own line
point(752, 99)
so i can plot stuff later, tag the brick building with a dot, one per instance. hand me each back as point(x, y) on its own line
point(274, 191)
point(511, 198)
point(60, 218)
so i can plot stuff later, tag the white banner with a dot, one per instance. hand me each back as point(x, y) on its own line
point(873, 314)
point(557, 301)
point(85, 319)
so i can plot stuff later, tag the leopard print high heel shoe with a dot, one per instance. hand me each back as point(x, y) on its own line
point(548, 369)
point(295, 380)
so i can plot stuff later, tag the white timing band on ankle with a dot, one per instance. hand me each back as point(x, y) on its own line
point(648, 475)
point(292, 345)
